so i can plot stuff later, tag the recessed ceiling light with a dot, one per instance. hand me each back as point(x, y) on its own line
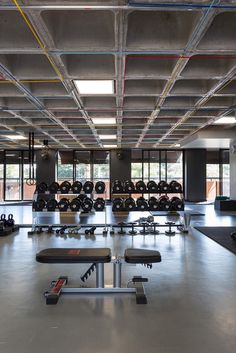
point(94, 86)
point(177, 145)
point(225, 120)
point(109, 146)
point(15, 137)
point(107, 137)
point(104, 121)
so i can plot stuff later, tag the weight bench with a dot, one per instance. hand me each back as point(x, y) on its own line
point(98, 257)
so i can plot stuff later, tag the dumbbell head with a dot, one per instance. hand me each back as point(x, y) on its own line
point(81, 197)
point(76, 187)
point(153, 204)
point(65, 187)
point(63, 204)
point(176, 204)
point(175, 186)
point(117, 187)
point(39, 204)
point(51, 205)
point(141, 186)
point(163, 186)
point(88, 187)
point(117, 204)
point(129, 204)
point(99, 204)
point(152, 186)
point(142, 204)
point(164, 203)
point(75, 205)
point(53, 187)
point(41, 187)
point(87, 204)
point(10, 221)
point(100, 187)
point(129, 186)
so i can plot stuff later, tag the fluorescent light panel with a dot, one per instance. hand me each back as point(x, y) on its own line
point(15, 137)
point(109, 146)
point(104, 121)
point(107, 137)
point(94, 86)
point(225, 120)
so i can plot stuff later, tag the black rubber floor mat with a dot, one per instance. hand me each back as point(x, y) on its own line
point(221, 235)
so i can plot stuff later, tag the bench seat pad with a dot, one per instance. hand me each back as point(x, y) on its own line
point(142, 256)
point(74, 255)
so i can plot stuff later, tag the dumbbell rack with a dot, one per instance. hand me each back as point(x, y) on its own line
point(147, 193)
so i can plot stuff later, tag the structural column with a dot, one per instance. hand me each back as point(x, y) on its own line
point(232, 162)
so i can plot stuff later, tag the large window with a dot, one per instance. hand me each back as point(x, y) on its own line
point(65, 166)
point(101, 169)
point(13, 175)
point(83, 165)
point(225, 173)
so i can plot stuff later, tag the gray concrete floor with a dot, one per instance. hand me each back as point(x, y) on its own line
point(191, 296)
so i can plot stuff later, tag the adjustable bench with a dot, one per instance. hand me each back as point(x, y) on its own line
point(98, 257)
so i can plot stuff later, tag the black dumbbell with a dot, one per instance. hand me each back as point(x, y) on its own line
point(61, 230)
point(121, 231)
point(65, 187)
point(75, 205)
point(164, 203)
point(176, 204)
point(163, 186)
point(81, 197)
point(141, 186)
point(87, 204)
point(100, 187)
point(63, 204)
point(129, 204)
point(41, 187)
point(170, 232)
point(132, 231)
point(88, 187)
point(152, 186)
point(153, 204)
point(144, 230)
point(129, 186)
point(38, 205)
point(76, 187)
point(175, 186)
point(142, 204)
point(117, 187)
point(10, 221)
point(154, 230)
point(3, 220)
point(51, 205)
point(99, 204)
point(117, 205)
point(54, 187)
point(90, 230)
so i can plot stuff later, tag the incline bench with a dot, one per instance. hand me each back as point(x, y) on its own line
point(98, 257)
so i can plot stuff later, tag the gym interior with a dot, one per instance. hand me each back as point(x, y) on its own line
point(118, 176)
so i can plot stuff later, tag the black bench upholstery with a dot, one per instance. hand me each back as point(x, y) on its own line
point(74, 255)
point(142, 256)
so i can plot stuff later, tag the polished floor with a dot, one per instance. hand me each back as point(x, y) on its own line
point(191, 295)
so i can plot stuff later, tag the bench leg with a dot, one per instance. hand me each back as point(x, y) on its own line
point(100, 275)
point(117, 274)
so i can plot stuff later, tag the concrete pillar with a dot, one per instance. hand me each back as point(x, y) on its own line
point(232, 162)
point(120, 166)
point(46, 167)
point(195, 175)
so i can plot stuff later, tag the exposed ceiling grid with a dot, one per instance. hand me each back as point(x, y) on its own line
point(173, 65)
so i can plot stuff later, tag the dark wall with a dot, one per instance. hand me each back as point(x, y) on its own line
point(195, 175)
point(120, 168)
point(46, 168)
point(232, 161)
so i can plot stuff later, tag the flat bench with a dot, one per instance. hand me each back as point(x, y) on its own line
point(98, 257)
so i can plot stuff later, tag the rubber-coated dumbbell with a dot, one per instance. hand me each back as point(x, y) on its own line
point(117, 187)
point(65, 187)
point(129, 204)
point(152, 186)
point(117, 204)
point(163, 186)
point(87, 204)
point(176, 204)
point(81, 197)
point(90, 230)
point(10, 221)
point(63, 204)
point(51, 205)
point(121, 231)
point(53, 187)
point(75, 205)
point(164, 203)
point(144, 230)
point(88, 187)
point(142, 204)
point(170, 232)
point(99, 204)
point(153, 229)
point(38, 205)
point(41, 187)
point(141, 186)
point(175, 186)
point(129, 186)
point(76, 187)
point(61, 230)
point(100, 187)
point(132, 231)
point(153, 204)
